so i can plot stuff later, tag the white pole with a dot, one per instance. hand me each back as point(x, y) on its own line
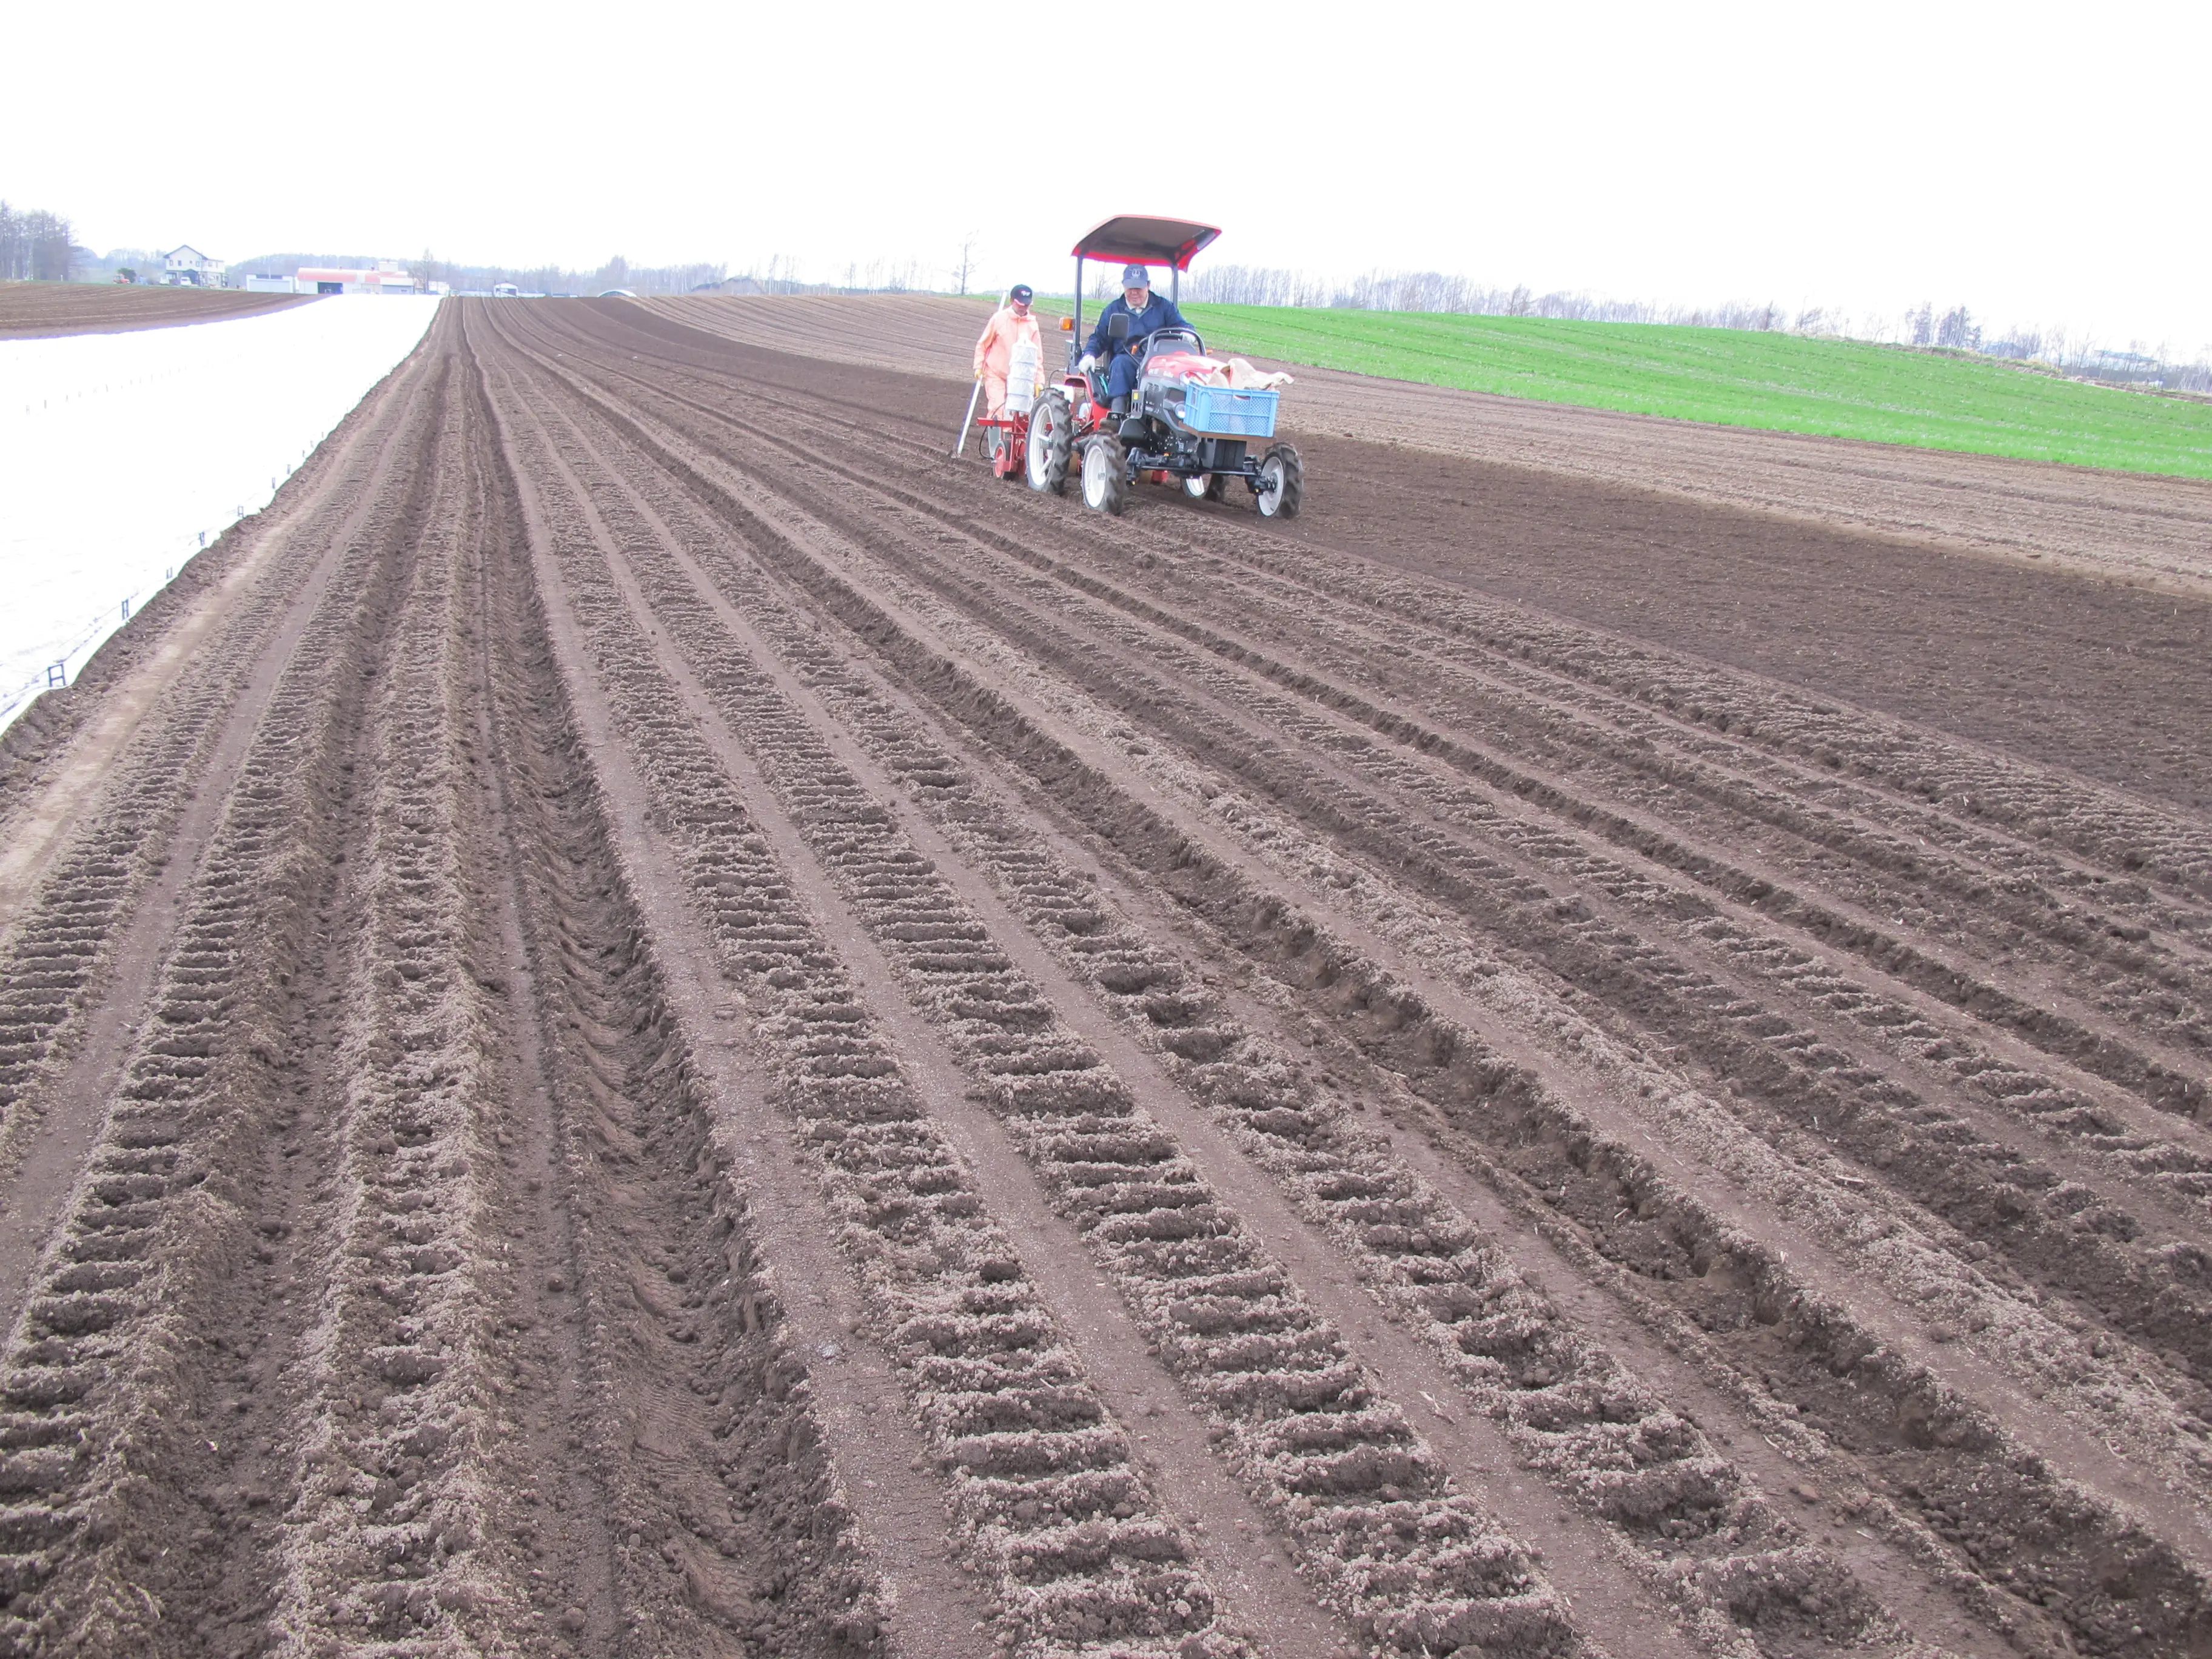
point(967, 419)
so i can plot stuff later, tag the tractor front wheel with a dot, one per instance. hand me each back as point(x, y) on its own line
point(1205, 486)
point(1051, 429)
point(1105, 475)
point(1282, 489)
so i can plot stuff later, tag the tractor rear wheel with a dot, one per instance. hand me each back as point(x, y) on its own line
point(1105, 475)
point(1282, 482)
point(1050, 430)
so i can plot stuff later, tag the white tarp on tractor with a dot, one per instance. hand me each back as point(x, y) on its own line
point(122, 455)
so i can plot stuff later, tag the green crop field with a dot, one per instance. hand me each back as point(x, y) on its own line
point(1732, 377)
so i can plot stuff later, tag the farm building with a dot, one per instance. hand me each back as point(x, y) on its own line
point(384, 279)
point(187, 264)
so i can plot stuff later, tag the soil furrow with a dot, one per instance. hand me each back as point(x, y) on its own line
point(2065, 1232)
point(932, 666)
point(665, 1488)
point(1809, 1078)
point(1691, 689)
point(1044, 1497)
point(2144, 986)
point(2135, 977)
point(1361, 1190)
point(1201, 584)
point(2044, 1219)
point(97, 900)
point(1329, 1457)
point(1622, 1481)
point(393, 1368)
point(1118, 1353)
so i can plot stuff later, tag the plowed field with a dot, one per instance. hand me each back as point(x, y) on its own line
point(2131, 527)
point(30, 310)
point(648, 1019)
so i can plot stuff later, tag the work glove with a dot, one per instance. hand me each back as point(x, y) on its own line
point(1088, 363)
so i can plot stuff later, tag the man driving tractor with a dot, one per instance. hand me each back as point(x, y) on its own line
point(1011, 325)
point(1148, 315)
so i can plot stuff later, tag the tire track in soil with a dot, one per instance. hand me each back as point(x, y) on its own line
point(1670, 677)
point(2137, 981)
point(2062, 1225)
point(1890, 1011)
point(1807, 1572)
point(870, 1173)
point(2184, 1418)
point(2163, 1081)
point(2166, 1081)
point(1238, 557)
point(1579, 1560)
point(2144, 974)
point(2063, 1205)
point(1157, 996)
point(1452, 1548)
point(1215, 1507)
point(654, 1365)
point(391, 1371)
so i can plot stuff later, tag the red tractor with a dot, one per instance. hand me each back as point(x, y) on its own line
point(1183, 427)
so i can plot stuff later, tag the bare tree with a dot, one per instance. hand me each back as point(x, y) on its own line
point(966, 269)
point(36, 246)
point(1958, 331)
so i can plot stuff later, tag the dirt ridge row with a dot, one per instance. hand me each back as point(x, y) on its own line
point(877, 621)
point(2075, 1220)
point(1043, 1487)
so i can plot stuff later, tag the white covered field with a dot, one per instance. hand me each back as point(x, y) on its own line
point(122, 455)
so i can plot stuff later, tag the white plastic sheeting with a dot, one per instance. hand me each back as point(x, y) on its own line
point(122, 455)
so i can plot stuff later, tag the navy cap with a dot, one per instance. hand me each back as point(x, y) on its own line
point(1021, 291)
point(1137, 277)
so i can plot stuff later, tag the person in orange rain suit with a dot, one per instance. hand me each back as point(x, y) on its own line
point(1010, 324)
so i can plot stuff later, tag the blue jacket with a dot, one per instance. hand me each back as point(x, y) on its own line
point(1158, 313)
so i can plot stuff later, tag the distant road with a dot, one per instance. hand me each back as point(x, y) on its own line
point(35, 310)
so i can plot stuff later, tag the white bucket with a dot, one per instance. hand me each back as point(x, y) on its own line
point(1022, 376)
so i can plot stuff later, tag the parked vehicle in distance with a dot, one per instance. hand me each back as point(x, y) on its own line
point(505, 291)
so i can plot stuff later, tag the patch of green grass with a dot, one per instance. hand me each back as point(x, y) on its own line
point(1734, 377)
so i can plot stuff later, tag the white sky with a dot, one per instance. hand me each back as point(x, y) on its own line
point(2042, 164)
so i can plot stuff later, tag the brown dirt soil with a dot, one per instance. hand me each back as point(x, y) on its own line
point(34, 310)
point(653, 1020)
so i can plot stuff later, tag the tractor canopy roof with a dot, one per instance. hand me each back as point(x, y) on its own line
point(1138, 240)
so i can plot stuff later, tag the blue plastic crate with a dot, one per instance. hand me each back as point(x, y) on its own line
point(1221, 413)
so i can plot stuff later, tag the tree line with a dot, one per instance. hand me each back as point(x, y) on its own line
point(36, 246)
